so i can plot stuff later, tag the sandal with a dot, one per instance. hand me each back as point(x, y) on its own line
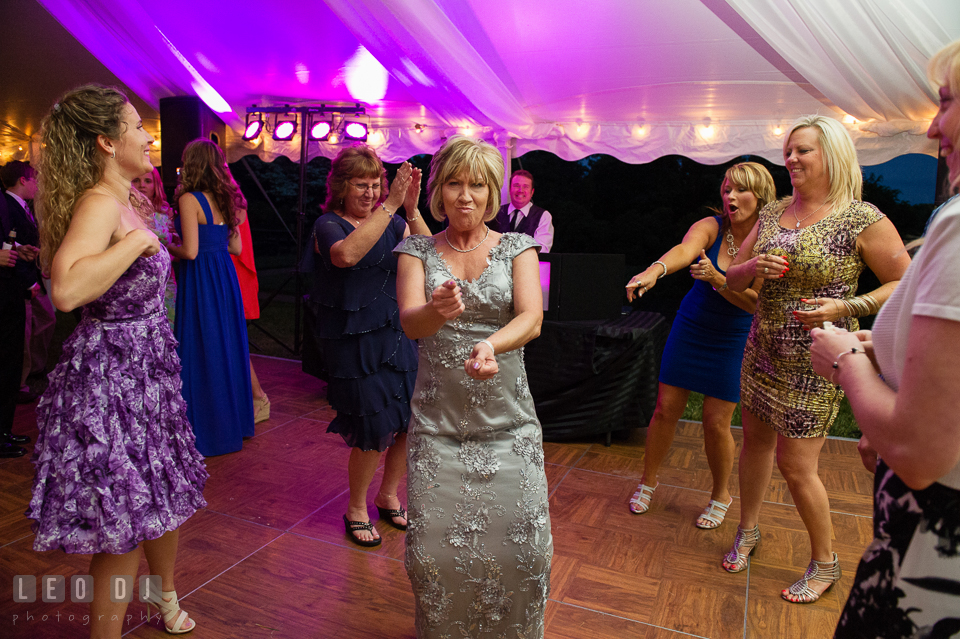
point(261, 409)
point(389, 514)
point(713, 515)
point(357, 526)
point(824, 571)
point(640, 502)
point(168, 608)
point(744, 544)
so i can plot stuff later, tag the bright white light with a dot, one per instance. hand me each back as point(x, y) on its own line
point(303, 73)
point(366, 78)
point(849, 119)
point(285, 130)
point(356, 130)
point(706, 132)
point(778, 130)
point(320, 129)
point(203, 89)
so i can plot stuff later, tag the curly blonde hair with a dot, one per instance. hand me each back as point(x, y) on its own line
point(205, 169)
point(70, 162)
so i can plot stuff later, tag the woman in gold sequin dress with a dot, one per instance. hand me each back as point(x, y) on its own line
point(478, 544)
point(809, 249)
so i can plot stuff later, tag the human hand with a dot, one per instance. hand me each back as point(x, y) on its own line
point(703, 269)
point(828, 343)
point(148, 241)
point(398, 190)
point(769, 267)
point(640, 284)
point(8, 257)
point(482, 364)
point(27, 253)
point(447, 300)
point(827, 310)
point(868, 454)
point(412, 197)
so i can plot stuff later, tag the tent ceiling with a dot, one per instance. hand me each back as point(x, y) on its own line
point(637, 79)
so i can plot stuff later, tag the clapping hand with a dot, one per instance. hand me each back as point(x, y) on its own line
point(399, 188)
point(412, 197)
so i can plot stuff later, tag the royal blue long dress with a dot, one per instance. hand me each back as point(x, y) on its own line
point(213, 347)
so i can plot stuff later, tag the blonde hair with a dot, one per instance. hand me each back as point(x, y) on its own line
point(357, 161)
point(839, 159)
point(205, 169)
point(479, 159)
point(70, 162)
point(944, 70)
point(755, 178)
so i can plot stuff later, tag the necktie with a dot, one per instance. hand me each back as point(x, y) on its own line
point(26, 207)
point(516, 220)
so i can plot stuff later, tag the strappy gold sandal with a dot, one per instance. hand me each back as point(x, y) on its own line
point(713, 515)
point(823, 571)
point(261, 409)
point(744, 544)
point(640, 502)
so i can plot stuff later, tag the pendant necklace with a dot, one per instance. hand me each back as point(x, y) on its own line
point(808, 215)
point(734, 249)
point(469, 249)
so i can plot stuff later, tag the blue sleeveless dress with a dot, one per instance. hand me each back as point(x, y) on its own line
point(213, 350)
point(705, 348)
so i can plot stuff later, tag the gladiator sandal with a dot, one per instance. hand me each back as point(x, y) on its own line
point(744, 544)
point(824, 571)
point(640, 502)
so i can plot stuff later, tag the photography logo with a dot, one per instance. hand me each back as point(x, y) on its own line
point(53, 588)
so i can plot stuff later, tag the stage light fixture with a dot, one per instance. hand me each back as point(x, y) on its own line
point(253, 127)
point(355, 131)
point(320, 131)
point(284, 130)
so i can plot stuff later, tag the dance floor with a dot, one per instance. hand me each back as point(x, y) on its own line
point(269, 557)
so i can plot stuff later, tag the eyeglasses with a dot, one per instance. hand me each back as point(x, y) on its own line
point(363, 188)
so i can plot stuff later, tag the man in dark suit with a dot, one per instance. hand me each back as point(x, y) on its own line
point(18, 274)
point(523, 216)
point(20, 180)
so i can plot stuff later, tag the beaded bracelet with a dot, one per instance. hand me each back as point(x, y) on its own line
point(836, 362)
point(415, 217)
point(385, 209)
point(664, 269)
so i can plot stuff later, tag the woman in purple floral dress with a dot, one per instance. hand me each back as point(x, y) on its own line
point(116, 465)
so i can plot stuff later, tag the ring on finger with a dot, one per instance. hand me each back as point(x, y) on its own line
point(766, 270)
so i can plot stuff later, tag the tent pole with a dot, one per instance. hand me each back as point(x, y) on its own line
point(298, 276)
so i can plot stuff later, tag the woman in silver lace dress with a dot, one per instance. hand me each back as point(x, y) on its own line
point(478, 543)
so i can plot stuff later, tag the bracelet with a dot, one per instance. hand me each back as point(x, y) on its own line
point(862, 305)
point(385, 209)
point(836, 362)
point(487, 342)
point(415, 218)
point(722, 288)
point(664, 269)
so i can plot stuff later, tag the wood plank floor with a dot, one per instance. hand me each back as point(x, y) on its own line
point(269, 557)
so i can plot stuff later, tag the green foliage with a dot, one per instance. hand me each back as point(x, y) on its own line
point(844, 426)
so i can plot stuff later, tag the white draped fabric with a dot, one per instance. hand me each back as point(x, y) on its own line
point(707, 79)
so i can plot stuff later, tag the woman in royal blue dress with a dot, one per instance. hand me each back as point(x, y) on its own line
point(210, 325)
point(116, 466)
point(705, 348)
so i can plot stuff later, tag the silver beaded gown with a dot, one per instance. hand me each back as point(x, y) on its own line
point(478, 543)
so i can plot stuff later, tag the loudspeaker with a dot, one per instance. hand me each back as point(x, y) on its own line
point(582, 286)
point(184, 118)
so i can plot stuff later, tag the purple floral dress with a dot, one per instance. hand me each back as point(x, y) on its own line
point(115, 459)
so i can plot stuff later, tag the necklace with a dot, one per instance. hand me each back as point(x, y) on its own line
point(808, 214)
point(469, 249)
point(125, 205)
point(734, 249)
point(356, 222)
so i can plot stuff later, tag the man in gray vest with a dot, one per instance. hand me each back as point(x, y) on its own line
point(522, 215)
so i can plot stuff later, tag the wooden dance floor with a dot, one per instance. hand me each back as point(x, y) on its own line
point(269, 557)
